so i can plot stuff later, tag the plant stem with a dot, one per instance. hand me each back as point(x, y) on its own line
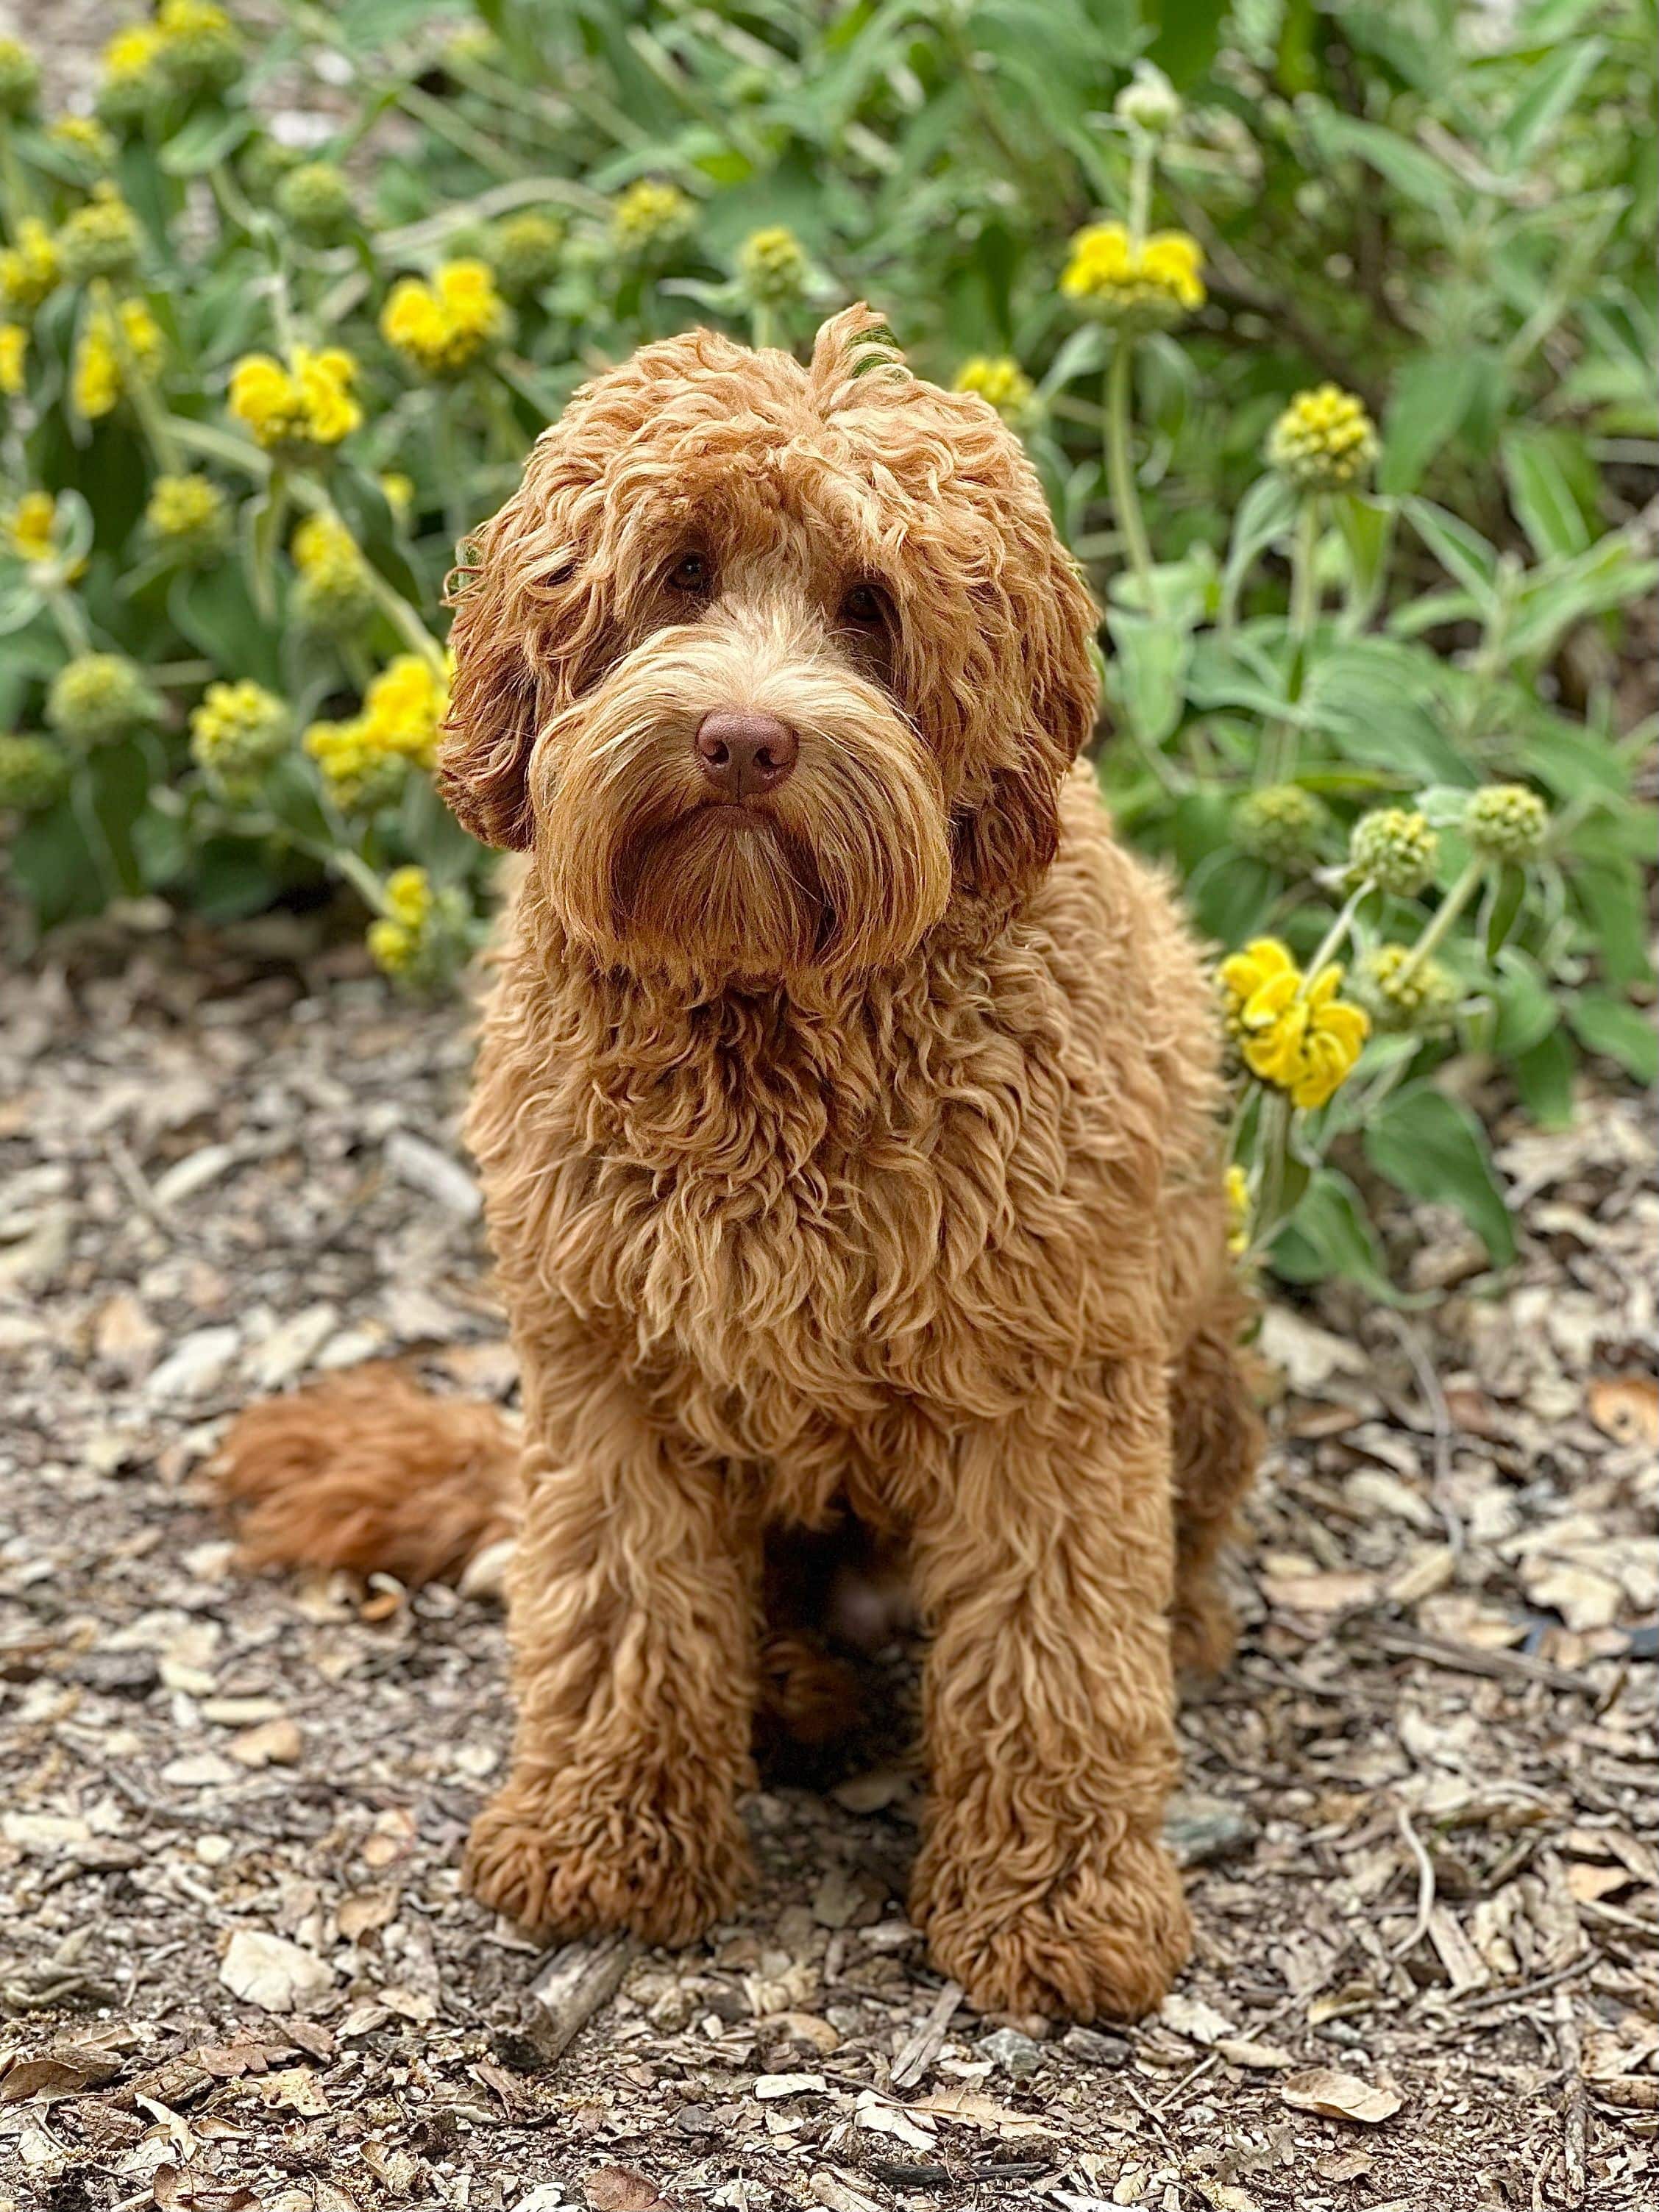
point(1120, 470)
point(152, 418)
point(71, 618)
point(1337, 930)
point(1445, 914)
point(1276, 761)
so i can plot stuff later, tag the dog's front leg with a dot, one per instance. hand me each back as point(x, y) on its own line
point(632, 1609)
point(1044, 1571)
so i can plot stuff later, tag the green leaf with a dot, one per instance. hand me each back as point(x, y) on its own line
point(1549, 91)
point(1503, 907)
point(1543, 1078)
point(1542, 494)
point(1328, 1234)
point(1618, 1031)
point(1148, 671)
point(1460, 551)
point(1432, 395)
point(1434, 1149)
point(1526, 1007)
point(1266, 515)
point(210, 136)
point(1420, 175)
point(1186, 37)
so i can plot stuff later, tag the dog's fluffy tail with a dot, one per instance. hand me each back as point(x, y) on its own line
point(370, 1472)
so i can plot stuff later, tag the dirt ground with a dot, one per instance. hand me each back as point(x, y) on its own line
point(236, 1970)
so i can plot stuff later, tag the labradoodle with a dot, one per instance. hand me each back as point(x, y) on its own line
point(845, 1110)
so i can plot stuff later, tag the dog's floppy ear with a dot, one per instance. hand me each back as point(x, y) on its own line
point(525, 617)
point(1046, 620)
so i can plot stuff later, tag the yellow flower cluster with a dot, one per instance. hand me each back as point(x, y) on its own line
point(649, 215)
point(772, 266)
point(236, 734)
point(14, 358)
point(443, 327)
point(335, 592)
point(83, 136)
point(100, 379)
point(188, 516)
point(1293, 1031)
point(363, 761)
point(395, 940)
point(1405, 992)
point(29, 526)
point(29, 269)
point(1324, 441)
point(1151, 286)
point(306, 402)
point(999, 378)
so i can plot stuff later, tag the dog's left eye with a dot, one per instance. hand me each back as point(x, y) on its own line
point(865, 605)
point(689, 574)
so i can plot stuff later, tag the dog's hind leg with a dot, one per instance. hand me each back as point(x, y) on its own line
point(1218, 1442)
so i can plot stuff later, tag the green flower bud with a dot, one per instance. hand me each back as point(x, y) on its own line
point(201, 49)
point(262, 164)
point(1395, 849)
point(316, 198)
point(1324, 441)
point(1506, 821)
point(1149, 102)
point(1280, 824)
point(236, 734)
point(649, 218)
point(188, 517)
point(524, 251)
point(20, 78)
point(33, 774)
point(772, 266)
point(102, 238)
point(99, 697)
point(1420, 1000)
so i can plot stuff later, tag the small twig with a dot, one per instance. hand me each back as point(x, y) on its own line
point(1420, 1927)
point(1470, 1659)
point(924, 2045)
point(575, 1981)
point(1576, 2116)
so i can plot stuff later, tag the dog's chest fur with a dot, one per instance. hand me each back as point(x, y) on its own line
point(809, 1233)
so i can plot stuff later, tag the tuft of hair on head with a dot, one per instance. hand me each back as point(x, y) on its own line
point(856, 357)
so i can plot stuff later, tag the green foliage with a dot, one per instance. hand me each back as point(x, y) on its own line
point(251, 401)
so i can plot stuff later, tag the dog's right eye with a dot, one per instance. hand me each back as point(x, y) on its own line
point(690, 574)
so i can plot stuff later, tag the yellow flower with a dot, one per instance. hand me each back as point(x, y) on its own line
point(101, 361)
point(1294, 1032)
point(399, 491)
point(29, 526)
point(30, 270)
point(423, 932)
point(14, 358)
point(101, 238)
point(308, 402)
point(1150, 286)
point(200, 47)
point(236, 734)
point(335, 592)
point(649, 215)
point(1324, 441)
point(1407, 993)
point(443, 327)
point(1238, 1210)
point(999, 378)
point(364, 760)
point(189, 517)
point(131, 78)
point(81, 135)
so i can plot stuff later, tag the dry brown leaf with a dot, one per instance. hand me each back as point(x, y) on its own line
point(60, 2074)
point(1339, 1591)
point(622, 2189)
point(981, 2112)
point(1337, 2096)
point(270, 1971)
point(1626, 1407)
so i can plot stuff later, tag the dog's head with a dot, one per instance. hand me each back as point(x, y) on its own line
point(770, 667)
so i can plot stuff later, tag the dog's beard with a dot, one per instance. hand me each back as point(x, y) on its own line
point(840, 870)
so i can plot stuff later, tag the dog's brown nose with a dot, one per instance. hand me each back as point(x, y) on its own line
point(742, 755)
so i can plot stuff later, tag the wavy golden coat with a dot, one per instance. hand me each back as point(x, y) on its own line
point(847, 1150)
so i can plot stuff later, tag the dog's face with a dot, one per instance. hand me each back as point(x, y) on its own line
point(770, 667)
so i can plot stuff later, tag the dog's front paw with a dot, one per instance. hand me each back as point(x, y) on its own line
point(566, 1863)
point(1102, 1941)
